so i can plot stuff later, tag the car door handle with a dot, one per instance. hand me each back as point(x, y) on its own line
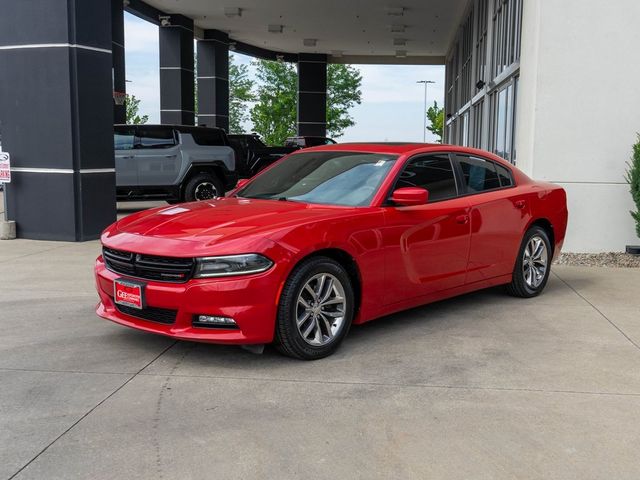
point(463, 219)
point(170, 156)
point(520, 204)
point(124, 157)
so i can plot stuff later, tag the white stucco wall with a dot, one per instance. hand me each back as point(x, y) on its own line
point(579, 111)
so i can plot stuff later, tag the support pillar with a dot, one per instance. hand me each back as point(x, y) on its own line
point(176, 72)
point(117, 49)
point(312, 94)
point(56, 112)
point(213, 80)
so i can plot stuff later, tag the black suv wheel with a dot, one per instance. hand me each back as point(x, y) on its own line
point(203, 186)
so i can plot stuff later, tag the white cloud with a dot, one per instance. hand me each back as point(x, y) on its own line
point(397, 83)
point(142, 65)
point(140, 35)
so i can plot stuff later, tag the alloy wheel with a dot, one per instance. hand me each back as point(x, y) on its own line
point(535, 261)
point(205, 191)
point(320, 309)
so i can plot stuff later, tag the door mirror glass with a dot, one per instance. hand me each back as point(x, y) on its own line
point(409, 196)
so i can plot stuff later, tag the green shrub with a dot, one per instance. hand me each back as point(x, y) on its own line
point(633, 177)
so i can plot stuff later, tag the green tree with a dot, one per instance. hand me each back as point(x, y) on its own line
point(435, 116)
point(132, 107)
point(343, 93)
point(275, 114)
point(633, 177)
point(240, 94)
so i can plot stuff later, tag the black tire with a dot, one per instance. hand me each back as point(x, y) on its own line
point(288, 338)
point(194, 186)
point(519, 287)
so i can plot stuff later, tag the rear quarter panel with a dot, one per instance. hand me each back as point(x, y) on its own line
point(192, 153)
point(549, 201)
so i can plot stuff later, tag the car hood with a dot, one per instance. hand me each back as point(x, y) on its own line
point(226, 219)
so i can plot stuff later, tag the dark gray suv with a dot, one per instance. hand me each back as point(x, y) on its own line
point(172, 162)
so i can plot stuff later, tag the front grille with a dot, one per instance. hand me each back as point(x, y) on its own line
point(153, 314)
point(150, 267)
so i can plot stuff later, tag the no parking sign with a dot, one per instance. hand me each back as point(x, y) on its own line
point(5, 168)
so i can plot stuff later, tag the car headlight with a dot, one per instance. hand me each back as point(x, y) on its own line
point(231, 265)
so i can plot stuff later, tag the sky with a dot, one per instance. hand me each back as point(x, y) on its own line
point(392, 101)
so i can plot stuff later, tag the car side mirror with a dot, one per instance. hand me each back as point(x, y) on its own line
point(242, 182)
point(410, 196)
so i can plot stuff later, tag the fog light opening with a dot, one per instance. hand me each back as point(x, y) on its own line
point(214, 321)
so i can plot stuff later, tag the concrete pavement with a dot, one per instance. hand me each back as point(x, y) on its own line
point(484, 386)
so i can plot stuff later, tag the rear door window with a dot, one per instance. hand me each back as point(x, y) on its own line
point(209, 138)
point(478, 174)
point(506, 179)
point(124, 138)
point(156, 137)
point(431, 172)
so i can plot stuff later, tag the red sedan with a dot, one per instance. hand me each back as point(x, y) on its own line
point(329, 237)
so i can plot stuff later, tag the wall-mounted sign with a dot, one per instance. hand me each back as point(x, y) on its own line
point(5, 167)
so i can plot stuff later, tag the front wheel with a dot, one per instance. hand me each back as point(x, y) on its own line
point(203, 186)
point(315, 311)
point(533, 265)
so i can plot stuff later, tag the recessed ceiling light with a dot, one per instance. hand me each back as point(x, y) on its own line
point(399, 42)
point(397, 28)
point(401, 53)
point(232, 12)
point(395, 11)
point(274, 28)
point(309, 42)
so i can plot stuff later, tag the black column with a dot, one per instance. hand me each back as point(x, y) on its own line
point(56, 112)
point(213, 80)
point(312, 94)
point(176, 72)
point(117, 49)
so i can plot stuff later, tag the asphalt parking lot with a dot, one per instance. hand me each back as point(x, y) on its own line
point(480, 387)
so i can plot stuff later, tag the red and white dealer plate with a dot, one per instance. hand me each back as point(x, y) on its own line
point(128, 293)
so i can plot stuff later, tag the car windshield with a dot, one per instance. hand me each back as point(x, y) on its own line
point(330, 178)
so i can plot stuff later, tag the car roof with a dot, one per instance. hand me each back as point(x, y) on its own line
point(168, 126)
point(398, 148)
point(404, 148)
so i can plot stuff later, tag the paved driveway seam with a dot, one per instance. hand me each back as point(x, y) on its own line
point(387, 384)
point(598, 310)
point(91, 410)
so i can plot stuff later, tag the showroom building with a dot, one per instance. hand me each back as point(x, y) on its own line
point(549, 85)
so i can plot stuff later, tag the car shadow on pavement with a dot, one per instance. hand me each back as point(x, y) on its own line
point(385, 332)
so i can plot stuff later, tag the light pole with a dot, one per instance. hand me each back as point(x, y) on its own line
point(424, 112)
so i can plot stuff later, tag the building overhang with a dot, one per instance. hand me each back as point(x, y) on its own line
point(407, 32)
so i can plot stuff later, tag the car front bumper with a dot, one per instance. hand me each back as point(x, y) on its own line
point(251, 300)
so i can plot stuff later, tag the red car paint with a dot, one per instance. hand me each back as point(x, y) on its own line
point(405, 256)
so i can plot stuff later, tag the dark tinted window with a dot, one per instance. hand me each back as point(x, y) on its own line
point(294, 142)
point(156, 137)
point(506, 180)
point(123, 138)
point(478, 174)
point(434, 173)
point(209, 138)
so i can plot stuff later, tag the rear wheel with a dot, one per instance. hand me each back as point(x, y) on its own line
point(203, 186)
point(316, 309)
point(533, 265)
